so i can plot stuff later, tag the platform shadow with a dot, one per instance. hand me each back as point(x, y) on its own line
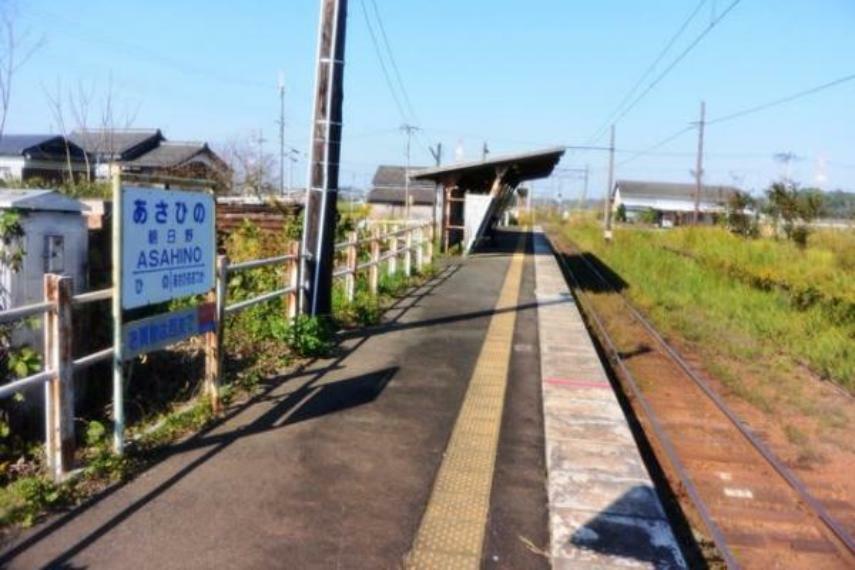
point(631, 528)
point(336, 397)
point(592, 274)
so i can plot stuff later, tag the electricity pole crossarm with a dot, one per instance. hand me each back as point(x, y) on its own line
point(324, 157)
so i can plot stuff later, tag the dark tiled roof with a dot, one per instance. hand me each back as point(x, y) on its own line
point(15, 145)
point(119, 143)
point(672, 191)
point(420, 196)
point(171, 154)
point(393, 177)
point(39, 147)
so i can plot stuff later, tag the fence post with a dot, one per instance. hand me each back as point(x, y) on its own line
point(352, 261)
point(431, 237)
point(374, 269)
point(420, 246)
point(408, 253)
point(59, 390)
point(393, 248)
point(292, 274)
point(214, 339)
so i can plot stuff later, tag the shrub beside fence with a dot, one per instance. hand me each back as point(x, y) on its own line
point(412, 245)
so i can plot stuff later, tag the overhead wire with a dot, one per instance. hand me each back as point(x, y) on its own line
point(602, 130)
point(659, 78)
point(781, 100)
point(391, 55)
point(386, 75)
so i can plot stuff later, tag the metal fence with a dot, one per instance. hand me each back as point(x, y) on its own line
point(411, 245)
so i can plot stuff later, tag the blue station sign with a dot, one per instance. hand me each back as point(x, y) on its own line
point(160, 331)
point(168, 245)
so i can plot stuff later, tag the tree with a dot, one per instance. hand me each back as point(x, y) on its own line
point(15, 49)
point(255, 172)
point(795, 208)
point(739, 219)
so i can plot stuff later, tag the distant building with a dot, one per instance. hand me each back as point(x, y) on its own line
point(147, 152)
point(387, 195)
point(105, 146)
point(45, 157)
point(183, 159)
point(55, 241)
point(672, 203)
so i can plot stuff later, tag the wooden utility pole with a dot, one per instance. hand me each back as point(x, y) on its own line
point(607, 219)
point(324, 155)
point(699, 166)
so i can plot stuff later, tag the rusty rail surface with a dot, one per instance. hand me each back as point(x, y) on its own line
point(777, 465)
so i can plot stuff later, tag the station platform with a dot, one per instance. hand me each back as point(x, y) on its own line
point(603, 506)
point(473, 428)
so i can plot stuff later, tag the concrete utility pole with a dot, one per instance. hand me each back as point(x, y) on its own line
point(260, 161)
point(584, 196)
point(607, 214)
point(281, 134)
point(409, 129)
point(437, 156)
point(699, 167)
point(324, 155)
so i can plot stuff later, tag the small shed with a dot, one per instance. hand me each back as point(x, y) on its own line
point(388, 192)
point(55, 240)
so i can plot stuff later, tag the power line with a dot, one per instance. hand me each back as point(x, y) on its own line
point(72, 27)
point(602, 130)
point(391, 55)
point(382, 62)
point(678, 59)
point(782, 100)
point(660, 144)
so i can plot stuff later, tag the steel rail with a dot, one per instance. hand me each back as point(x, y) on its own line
point(667, 445)
point(795, 483)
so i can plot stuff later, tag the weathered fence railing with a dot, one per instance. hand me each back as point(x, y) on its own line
point(412, 245)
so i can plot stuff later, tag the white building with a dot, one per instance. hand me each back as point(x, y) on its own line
point(672, 203)
point(55, 240)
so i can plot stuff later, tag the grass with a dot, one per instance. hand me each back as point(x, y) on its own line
point(706, 303)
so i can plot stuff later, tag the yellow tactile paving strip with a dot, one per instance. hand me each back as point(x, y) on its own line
point(451, 534)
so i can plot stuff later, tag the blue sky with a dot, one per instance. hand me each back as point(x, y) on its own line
point(519, 75)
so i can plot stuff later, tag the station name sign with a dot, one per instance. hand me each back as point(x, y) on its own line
point(168, 245)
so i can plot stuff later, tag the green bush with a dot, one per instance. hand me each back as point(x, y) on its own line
point(310, 337)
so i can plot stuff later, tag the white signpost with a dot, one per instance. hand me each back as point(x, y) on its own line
point(168, 245)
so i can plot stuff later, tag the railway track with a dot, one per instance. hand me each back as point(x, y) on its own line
point(753, 507)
